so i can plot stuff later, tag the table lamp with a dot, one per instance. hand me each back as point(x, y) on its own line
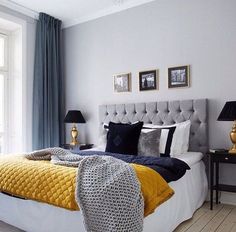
point(74, 116)
point(228, 113)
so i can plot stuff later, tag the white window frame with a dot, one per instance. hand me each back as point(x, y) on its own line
point(5, 36)
point(5, 72)
point(19, 137)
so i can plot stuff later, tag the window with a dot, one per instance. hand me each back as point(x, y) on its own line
point(12, 40)
point(3, 88)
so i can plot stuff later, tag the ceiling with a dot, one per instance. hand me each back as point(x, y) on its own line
point(72, 12)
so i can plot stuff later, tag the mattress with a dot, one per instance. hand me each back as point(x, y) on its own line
point(190, 193)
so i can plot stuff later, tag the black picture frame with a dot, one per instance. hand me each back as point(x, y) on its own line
point(148, 80)
point(178, 77)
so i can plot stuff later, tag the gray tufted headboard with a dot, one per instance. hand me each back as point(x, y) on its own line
point(164, 113)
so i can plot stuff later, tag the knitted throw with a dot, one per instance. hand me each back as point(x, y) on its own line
point(107, 190)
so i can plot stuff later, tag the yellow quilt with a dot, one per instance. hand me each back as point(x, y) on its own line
point(55, 185)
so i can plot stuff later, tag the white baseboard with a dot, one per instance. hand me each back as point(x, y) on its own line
point(225, 197)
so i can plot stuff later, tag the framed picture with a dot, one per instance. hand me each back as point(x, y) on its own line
point(178, 77)
point(148, 80)
point(122, 82)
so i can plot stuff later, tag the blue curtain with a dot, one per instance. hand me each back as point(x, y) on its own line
point(48, 89)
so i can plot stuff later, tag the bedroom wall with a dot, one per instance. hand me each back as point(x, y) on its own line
point(159, 35)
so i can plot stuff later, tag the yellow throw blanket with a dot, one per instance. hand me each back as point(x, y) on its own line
point(54, 184)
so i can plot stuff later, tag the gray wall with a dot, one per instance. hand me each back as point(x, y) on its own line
point(158, 35)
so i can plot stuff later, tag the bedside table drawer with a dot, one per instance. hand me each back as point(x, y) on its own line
point(224, 158)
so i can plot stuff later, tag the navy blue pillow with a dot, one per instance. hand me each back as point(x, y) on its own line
point(123, 138)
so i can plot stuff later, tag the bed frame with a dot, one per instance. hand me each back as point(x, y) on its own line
point(34, 216)
point(164, 113)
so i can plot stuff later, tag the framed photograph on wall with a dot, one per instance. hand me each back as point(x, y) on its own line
point(148, 80)
point(122, 82)
point(178, 76)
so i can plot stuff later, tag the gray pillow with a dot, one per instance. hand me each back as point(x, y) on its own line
point(148, 144)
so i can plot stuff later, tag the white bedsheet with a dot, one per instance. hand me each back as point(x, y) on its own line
point(32, 216)
point(190, 193)
point(189, 157)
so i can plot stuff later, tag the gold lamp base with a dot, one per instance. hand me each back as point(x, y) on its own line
point(232, 151)
point(74, 135)
point(233, 139)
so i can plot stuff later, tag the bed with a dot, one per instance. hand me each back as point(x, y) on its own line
point(190, 190)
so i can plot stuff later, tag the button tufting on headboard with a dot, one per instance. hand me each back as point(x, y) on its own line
point(164, 113)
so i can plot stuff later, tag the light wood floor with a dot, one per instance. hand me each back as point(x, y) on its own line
point(221, 219)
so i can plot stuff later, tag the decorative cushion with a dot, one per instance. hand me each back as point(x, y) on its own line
point(166, 141)
point(165, 138)
point(180, 141)
point(148, 144)
point(123, 138)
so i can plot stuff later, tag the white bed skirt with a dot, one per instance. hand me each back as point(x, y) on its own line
point(31, 216)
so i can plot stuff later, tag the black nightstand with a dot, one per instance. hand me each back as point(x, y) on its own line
point(77, 147)
point(214, 160)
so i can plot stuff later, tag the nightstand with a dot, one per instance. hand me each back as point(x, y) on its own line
point(214, 161)
point(77, 147)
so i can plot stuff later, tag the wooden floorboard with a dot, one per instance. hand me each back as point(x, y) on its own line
point(221, 219)
point(218, 219)
point(186, 225)
point(229, 223)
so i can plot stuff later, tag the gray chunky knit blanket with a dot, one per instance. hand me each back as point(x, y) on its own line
point(107, 190)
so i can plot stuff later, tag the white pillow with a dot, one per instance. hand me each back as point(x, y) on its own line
point(102, 141)
point(180, 141)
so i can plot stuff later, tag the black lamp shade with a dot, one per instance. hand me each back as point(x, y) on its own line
point(74, 116)
point(228, 113)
